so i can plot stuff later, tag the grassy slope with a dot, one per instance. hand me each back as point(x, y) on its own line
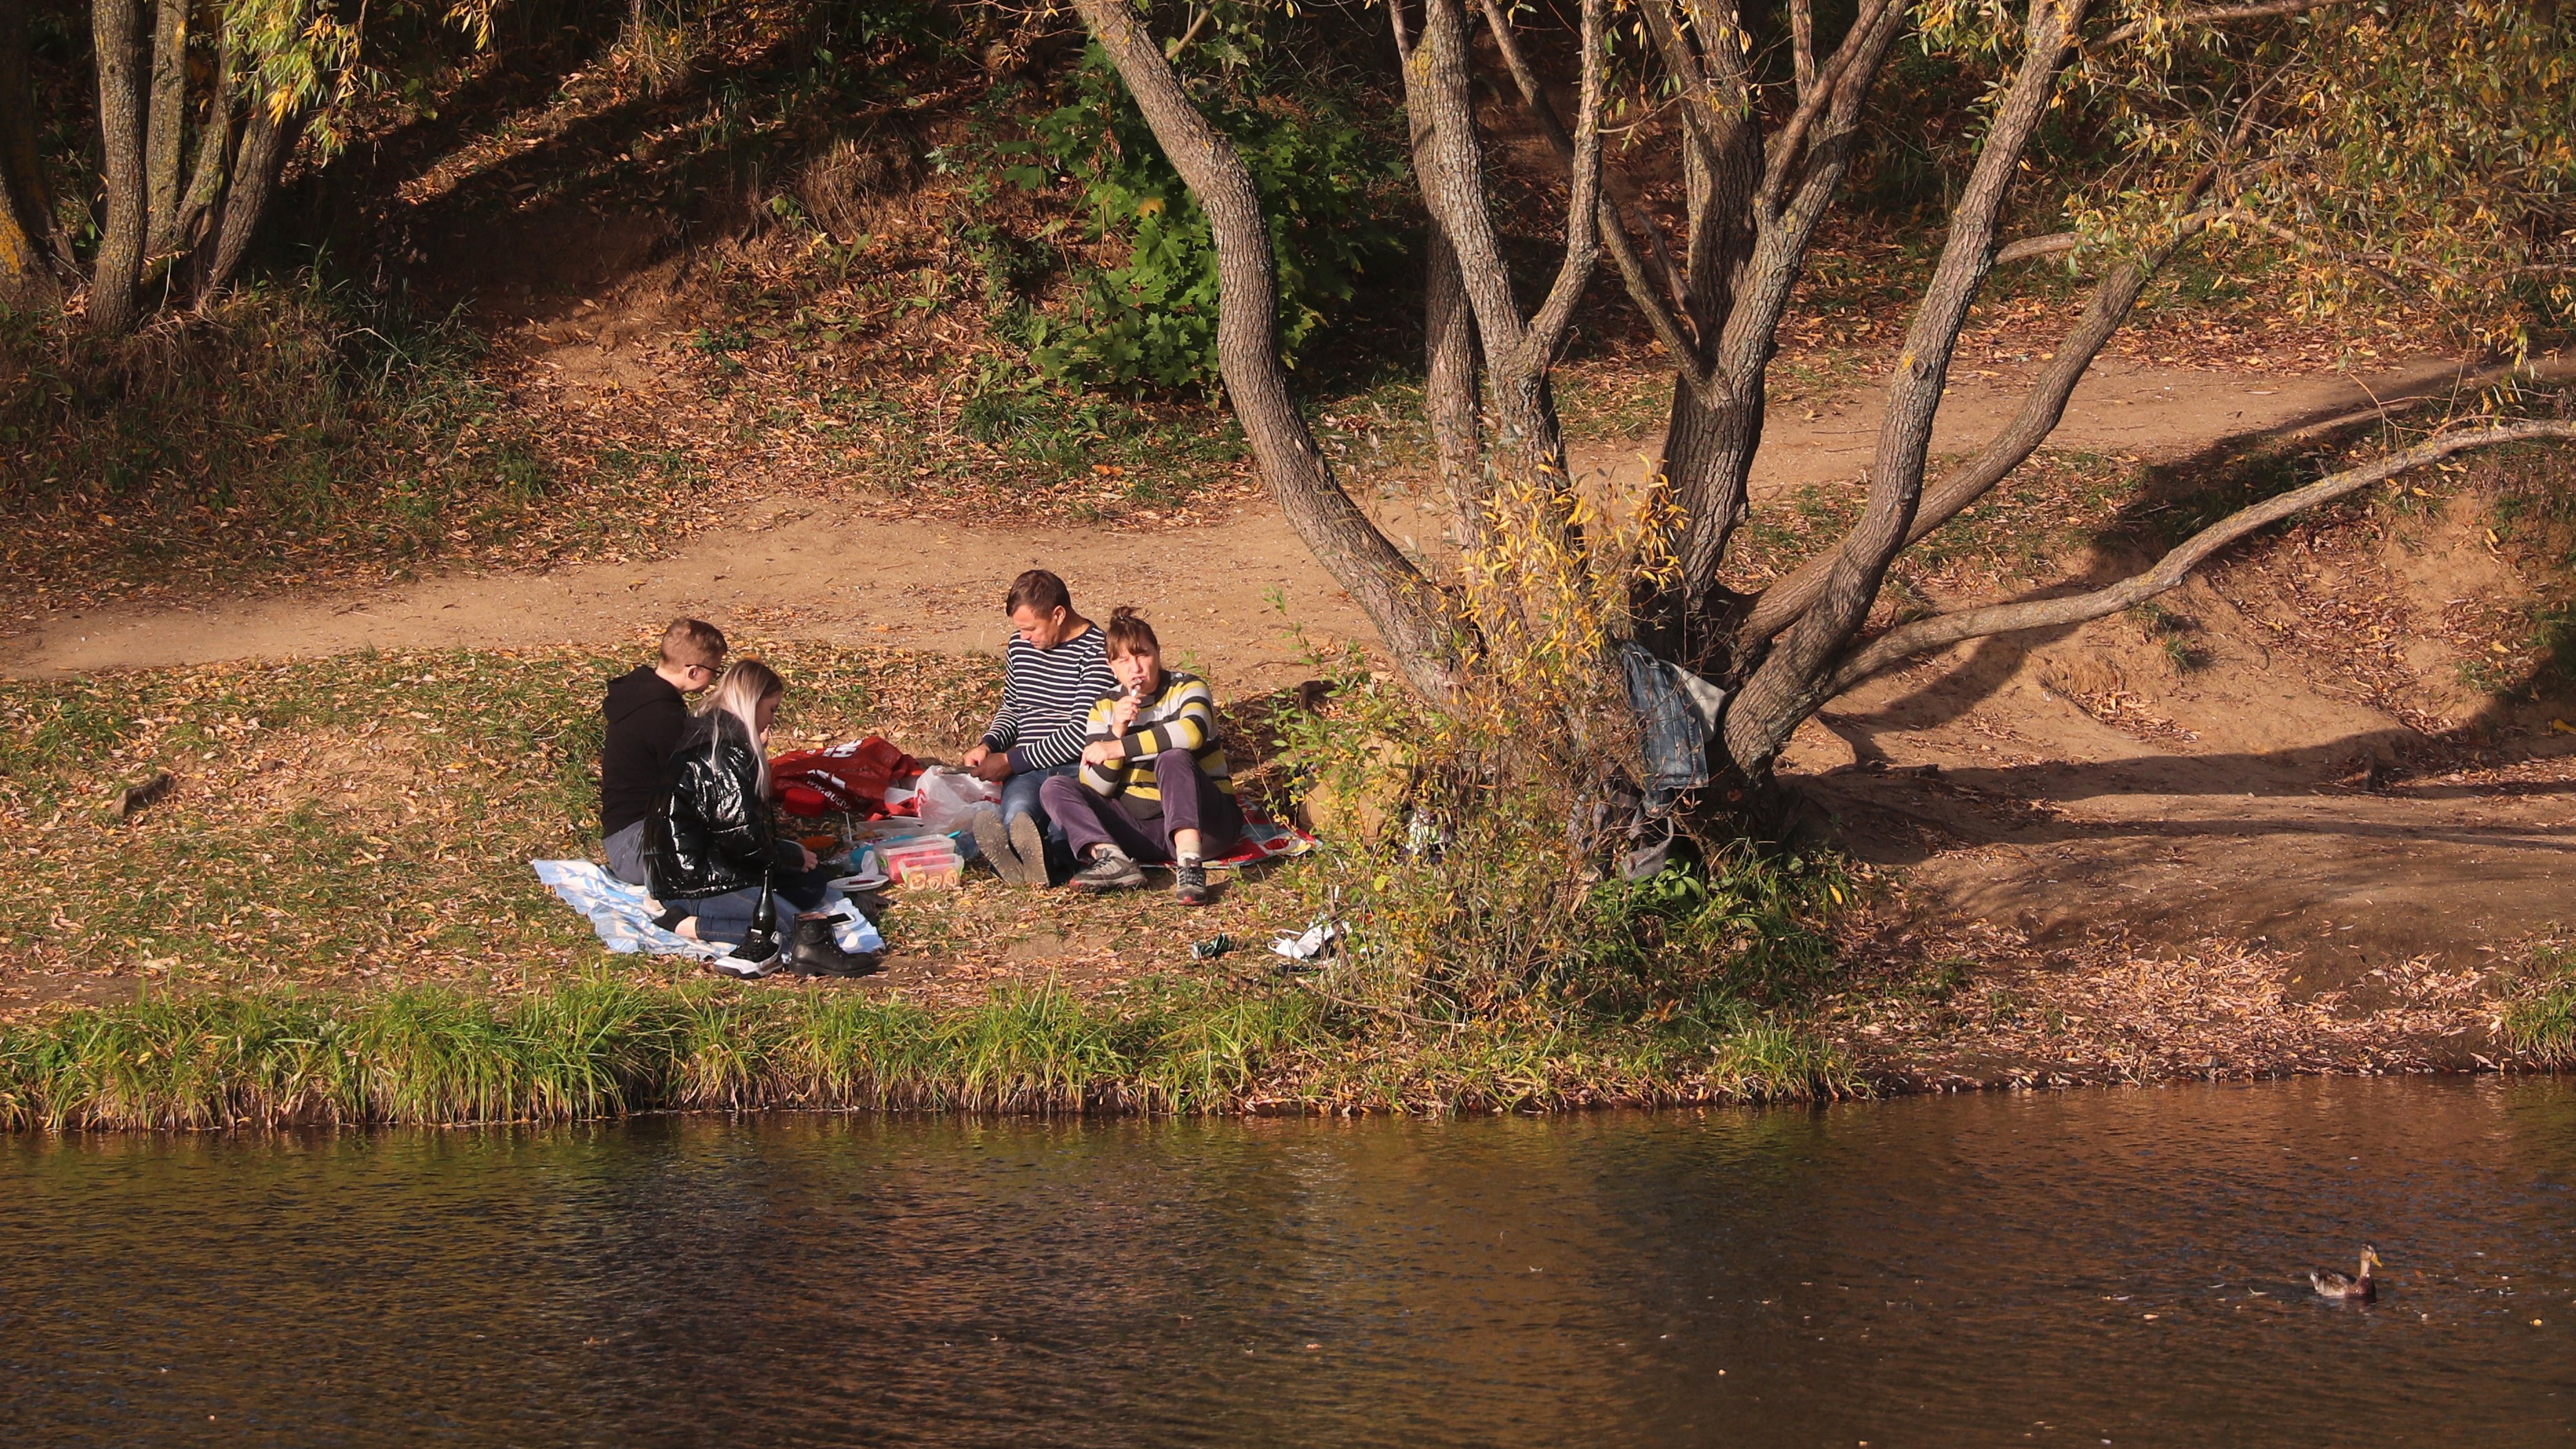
point(330, 918)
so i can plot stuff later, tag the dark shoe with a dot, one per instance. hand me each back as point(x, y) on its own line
point(1190, 885)
point(1000, 850)
point(817, 954)
point(1030, 842)
point(1109, 871)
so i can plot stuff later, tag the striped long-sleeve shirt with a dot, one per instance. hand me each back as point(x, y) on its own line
point(1180, 716)
point(1046, 700)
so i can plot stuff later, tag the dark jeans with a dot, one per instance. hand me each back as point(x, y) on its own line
point(728, 917)
point(1022, 795)
point(1191, 801)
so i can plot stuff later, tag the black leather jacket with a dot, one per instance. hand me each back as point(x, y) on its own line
point(711, 833)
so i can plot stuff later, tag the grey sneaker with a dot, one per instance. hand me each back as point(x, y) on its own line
point(998, 849)
point(1190, 884)
point(1030, 842)
point(1110, 870)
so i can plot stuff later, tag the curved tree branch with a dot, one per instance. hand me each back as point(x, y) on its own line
point(1555, 315)
point(1662, 317)
point(2031, 248)
point(1404, 606)
point(1907, 641)
point(1789, 683)
point(2219, 15)
point(2041, 409)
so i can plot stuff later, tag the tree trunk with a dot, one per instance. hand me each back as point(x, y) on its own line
point(1792, 682)
point(165, 128)
point(117, 31)
point(1449, 387)
point(1407, 610)
point(266, 145)
point(28, 241)
point(1753, 213)
point(1519, 354)
point(206, 174)
point(26, 278)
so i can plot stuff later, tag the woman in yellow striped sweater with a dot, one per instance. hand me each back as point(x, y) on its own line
point(1154, 784)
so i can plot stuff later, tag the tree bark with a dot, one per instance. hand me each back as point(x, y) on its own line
point(1755, 212)
point(1449, 388)
point(165, 128)
point(116, 28)
point(29, 246)
point(1405, 607)
point(26, 278)
point(1449, 348)
point(1519, 352)
point(206, 174)
point(266, 144)
point(1791, 681)
point(1898, 645)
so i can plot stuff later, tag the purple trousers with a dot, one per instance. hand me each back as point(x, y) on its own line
point(1191, 801)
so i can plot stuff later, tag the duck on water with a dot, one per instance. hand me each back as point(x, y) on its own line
point(2355, 1289)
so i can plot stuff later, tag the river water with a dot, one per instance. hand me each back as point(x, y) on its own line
point(2102, 1267)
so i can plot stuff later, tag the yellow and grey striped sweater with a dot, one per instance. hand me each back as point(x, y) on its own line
point(1180, 716)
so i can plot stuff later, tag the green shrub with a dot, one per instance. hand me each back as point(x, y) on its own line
point(2541, 1022)
point(1150, 319)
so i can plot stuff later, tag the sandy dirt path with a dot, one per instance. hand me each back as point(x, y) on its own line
point(798, 569)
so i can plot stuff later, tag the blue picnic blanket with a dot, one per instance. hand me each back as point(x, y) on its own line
point(618, 912)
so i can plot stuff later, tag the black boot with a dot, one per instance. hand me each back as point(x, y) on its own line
point(817, 954)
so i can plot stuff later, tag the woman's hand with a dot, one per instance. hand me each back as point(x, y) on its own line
point(1101, 752)
point(802, 850)
point(1122, 715)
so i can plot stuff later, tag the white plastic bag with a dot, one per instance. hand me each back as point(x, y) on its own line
point(949, 798)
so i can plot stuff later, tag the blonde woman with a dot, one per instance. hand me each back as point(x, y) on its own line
point(708, 845)
point(1154, 784)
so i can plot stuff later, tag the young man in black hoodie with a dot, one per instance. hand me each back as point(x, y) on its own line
point(646, 711)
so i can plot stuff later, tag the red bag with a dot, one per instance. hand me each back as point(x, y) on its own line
point(847, 778)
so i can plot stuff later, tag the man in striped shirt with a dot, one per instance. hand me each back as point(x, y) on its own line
point(1154, 785)
point(1051, 673)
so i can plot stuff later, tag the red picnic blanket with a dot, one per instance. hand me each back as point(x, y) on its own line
point(1263, 840)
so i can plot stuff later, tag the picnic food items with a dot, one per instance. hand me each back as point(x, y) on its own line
point(924, 861)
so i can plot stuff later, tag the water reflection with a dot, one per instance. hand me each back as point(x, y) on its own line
point(2071, 1268)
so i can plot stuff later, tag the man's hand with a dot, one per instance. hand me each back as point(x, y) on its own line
point(975, 757)
point(801, 849)
point(1101, 752)
point(994, 768)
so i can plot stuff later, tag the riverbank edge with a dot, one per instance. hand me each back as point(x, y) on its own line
point(607, 1048)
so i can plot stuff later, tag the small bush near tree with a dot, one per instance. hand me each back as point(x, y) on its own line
point(1149, 318)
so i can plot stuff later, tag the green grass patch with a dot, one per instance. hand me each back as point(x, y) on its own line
point(609, 1047)
point(359, 817)
point(2541, 1022)
point(330, 918)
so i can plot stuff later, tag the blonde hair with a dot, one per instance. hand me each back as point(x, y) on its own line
point(739, 693)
